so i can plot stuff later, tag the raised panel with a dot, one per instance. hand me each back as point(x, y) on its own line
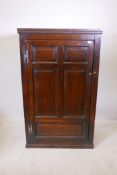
point(75, 54)
point(45, 54)
point(45, 92)
point(74, 93)
point(58, 130)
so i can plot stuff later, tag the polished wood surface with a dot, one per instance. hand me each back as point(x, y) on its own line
point(59, 79)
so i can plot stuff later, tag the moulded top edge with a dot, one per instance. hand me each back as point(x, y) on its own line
point(50, 30)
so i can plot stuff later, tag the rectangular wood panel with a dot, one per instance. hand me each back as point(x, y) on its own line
point(45, 54)
point(58, 130)
point(74, 92)
point(45, 92)
point(76, 54)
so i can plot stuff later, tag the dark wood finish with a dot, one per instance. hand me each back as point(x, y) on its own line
point(59, 79)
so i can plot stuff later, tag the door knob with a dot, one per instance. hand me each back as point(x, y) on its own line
point(94, 72)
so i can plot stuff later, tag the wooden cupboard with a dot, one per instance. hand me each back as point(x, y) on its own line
point(59, 80)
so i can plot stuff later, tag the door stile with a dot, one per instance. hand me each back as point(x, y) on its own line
point(31, 125)
point(60, 83)
point(88, 85)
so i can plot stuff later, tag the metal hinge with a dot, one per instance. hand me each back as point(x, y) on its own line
point(30, 130)
point(25, 56)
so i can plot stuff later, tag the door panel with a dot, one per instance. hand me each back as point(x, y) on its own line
point(58, 130)
point(45, 54)
point(74, 92)
point(61, 87)
point(75, 54)
point(45, 92)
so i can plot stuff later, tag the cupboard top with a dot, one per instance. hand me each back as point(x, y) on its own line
point(64, 31)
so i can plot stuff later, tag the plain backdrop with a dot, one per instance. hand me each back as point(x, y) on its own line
point(97, 14)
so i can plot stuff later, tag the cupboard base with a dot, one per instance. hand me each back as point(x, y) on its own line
point(88, 146)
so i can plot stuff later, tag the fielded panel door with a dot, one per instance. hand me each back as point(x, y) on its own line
point(59, 77)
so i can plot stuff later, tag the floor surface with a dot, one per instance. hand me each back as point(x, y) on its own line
point(15, 159)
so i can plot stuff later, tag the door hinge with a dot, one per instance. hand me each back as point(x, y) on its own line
point(25, 54)
point(30, 130)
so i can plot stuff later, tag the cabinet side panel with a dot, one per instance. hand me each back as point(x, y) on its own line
point(24, 84)
point(94, 85)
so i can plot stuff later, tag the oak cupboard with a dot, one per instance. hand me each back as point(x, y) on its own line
point(59, 80)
